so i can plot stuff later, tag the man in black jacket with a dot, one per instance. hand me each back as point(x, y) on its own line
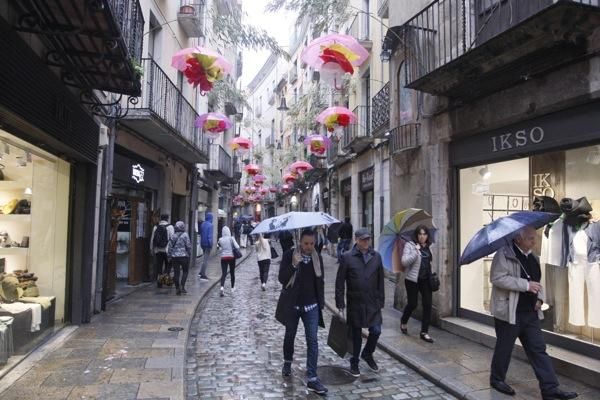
point(302, 297)
point(361, 272)
point(345, 234)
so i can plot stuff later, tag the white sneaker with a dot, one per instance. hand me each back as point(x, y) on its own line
point(263, 287)
point(222, 291)
point(232, 290)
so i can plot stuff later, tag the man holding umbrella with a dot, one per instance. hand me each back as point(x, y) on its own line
point(516, 301)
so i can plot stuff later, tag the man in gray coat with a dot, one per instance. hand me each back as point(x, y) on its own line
point(516, 302)
point(361, 273)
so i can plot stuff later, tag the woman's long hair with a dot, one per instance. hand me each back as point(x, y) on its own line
point(416, 234)
point(260, 244)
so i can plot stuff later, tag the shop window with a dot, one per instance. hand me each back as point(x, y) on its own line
point(572, 283)
point(34, 199)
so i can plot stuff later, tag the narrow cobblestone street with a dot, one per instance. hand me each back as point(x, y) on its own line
point(236, 345)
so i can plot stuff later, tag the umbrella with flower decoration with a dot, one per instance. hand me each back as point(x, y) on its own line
point(259, 179)
point(299, 167)
point(252, 169)
point(285, 188)
point(289, 178)
point(201, 66)
point(273, 189)
point(255, 198)
point(336, 118)
point(317, 144)
point(264, 191)
point(238, 200)
point(249, 189)
point(213, 124)
point(241, 145)
point(334, 56)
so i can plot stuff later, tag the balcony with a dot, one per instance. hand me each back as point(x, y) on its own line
point(404, 137)
point(380, 111)
point(359, 29)
point(467, 49)
point(319, 170)
point(95, 44)
point(293, 74)
point(236, 170)
point(358, 137)
point(219, 166)
point(191, 17)
point(163, 116)
point(383, 8)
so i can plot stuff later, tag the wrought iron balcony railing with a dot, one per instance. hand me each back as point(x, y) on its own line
point(404, 137)
point(191, 17)
point(359, 28)
point(219, 162)
point(362, 128)
point(162, 98)
point(380, 110)
point(447, 29)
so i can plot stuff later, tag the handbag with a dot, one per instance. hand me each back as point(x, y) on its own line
point(274, 252)
point(340, 336)
point(236, 252)
point(434, 282)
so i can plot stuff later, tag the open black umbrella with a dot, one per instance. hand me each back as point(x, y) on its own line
point(333, 232)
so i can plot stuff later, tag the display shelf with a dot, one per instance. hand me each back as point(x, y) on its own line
point(13, 185)
point(7, 251)
point(15, 217)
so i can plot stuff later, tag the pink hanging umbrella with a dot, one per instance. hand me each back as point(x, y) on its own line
point(213, 124)
point(300, 167)
point(285, 188)
point(336, 117)
point(318, 144)
point(273, 189)
point(259, 178)
point(289, 178)
point(252, 169)
point(334, 55)
point(201, 66)
point(249, 189)
point(241, 145)
point(264, 191)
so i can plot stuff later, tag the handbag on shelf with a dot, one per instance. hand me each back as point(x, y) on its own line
point(236, 252)
point(273, 252)
point(434, 282)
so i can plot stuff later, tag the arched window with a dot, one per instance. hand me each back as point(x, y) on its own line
point(405, 97)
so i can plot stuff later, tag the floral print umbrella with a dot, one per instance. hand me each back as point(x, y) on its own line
point(213, 124)
point(241, 145)
point(318, 144)
point(252, 169)
point(201, 66)
point(335, 118)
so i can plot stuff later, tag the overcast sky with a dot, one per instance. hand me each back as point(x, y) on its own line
point(278, 25)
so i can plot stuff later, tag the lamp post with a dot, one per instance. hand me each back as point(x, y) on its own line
point(294, 203)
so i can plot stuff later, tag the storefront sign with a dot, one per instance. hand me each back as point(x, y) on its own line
point(347, 187)
point(541, 185)
point(367, 179)
point(137, 173)
point(568, 128)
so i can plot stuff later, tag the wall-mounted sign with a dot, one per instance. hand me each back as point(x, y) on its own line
point(367, 179)
point(137, 173)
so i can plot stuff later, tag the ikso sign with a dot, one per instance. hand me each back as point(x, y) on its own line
point(552, 132)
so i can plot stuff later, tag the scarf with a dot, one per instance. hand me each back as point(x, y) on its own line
point(316, 265)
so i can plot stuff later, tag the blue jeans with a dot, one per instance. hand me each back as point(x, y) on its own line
point(311, 325)
point(374, 333)
point(343, 245)
point(206, 254)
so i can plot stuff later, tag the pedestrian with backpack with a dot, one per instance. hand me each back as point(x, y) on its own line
point(159, 243)
point(180, 250)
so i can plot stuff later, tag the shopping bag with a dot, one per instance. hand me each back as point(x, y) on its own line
point(340, 336)
point(274, 252)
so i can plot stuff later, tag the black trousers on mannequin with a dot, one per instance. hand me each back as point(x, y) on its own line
point(528, 330)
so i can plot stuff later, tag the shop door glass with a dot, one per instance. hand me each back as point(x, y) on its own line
point(367, 217)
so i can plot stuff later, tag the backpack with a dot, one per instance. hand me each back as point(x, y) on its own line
point(161, 236)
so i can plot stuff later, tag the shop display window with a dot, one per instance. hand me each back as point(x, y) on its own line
point(571, 282)
point(34, 199)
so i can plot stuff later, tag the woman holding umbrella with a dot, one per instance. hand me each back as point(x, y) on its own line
point(417, 259)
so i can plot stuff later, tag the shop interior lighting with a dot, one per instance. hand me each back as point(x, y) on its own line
point(485, 172)
point(27, 191)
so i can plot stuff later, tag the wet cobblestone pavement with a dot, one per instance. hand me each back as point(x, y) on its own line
point(235, 352)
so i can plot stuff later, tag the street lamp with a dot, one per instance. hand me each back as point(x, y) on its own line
point(294, 202)
point(386, 52)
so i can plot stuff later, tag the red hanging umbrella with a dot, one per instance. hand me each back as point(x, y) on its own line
point(300, 167)
point(241, 145)
point(273, 189)
point(252, 169)
point(289, 178)
point(285, 188)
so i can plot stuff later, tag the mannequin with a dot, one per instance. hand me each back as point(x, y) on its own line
point(573, 242)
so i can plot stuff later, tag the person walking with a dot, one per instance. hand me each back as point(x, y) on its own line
point(226, 244)
point(159, 242)
point(321, 239)
point(286, 240)
point(263, 254)
point(417, 259)
point(516, 305)
point(180, 251)
point(345, 234)
point(302, 297)
point(206, 242)
point(246, 229)
point(361, 273)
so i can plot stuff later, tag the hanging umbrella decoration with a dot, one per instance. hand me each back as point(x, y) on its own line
point(289, 178)
point(317, 144)
point(273, 189)
point(249, 189)
point(336, 119)
point(213, 124)
point(299, 167)
point(334, 56)
point(238, 200)
point(259, 179)
point(263, 191)
point(201, 66)
point(241, 145)
point(252, 169)
point(285, 188)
